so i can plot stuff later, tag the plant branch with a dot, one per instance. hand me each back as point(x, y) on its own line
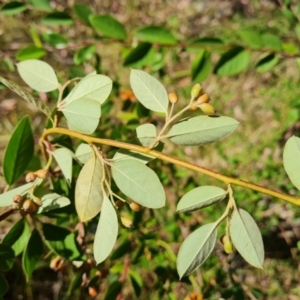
point(176, 161)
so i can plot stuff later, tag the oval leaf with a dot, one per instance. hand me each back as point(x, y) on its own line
point(201, 66)
point(156, 34)
point(246, 238)
point(233, 62)
point(136, 54)
point(84, 54)
point(272, 41)
point(89, 191)
point(146, 133)
point(18, 236)
point(200, 197)
point(55, 40)
point(30, 52)
point(92, 87)
point(138, 182)
point(266, 63)
point(33, 253)
point(38, 75)
point(12, 8)
point(57, 18)
point(52, 201)
point(82, 115)
point(83, 153)
point(6, 199)
point(291, 160)
point(27, 96)
point(19, 151)
point(129, 154)
point(252, 38)
point(82, 12)
point(149, 91)
point(107, 231)
point(64, 157)
point(196, 248)
point(108, 26)
point(201, 130)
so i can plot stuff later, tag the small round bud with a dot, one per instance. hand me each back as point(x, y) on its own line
point(135, 206)
point(15, 206)
point(207, 108)
point(30, 177)
point(37, 200)
point(203, 99)
point(42, 174)
point(18, 199)
point(93, 291)
point(223, 238)
point(29, 206)
point(173, 98)
point(119, 203)
point(56, 263)
point(228, 247)
point(195, 92)
point(126, 222)
point(194, 106)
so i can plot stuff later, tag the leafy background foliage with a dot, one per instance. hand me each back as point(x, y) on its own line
point(248, 56)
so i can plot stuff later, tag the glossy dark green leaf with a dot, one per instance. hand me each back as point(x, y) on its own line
point(233, 62)
point(157, 35)
point(201, 130)
point(206, 41)
point(201, 66)
point(113, 290)
point(32, 253)
point(27, 96)
point(266, 63)
point(62, 241)
point(12, 8)
point(251, 38)
point(19, 151)
point(6, 199)
point(18, 236)
point(82, 12)
point(108, 26)
point(272, 41)
point(55, 40)
point(57, 19)
point(84, 54)
point(136, 54)
point(7, 257)
point(137, 282)
point(30, 52)
point(43, 5)
point(246, 238)
point(196, 248)
point(3, 285)
point(107, 231)
point(291, 160)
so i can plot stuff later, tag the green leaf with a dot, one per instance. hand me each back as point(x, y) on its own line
point(30, 52)
point(13, 8)
point(92, 87)
point(201, 130)
point(83, 153)
point(62, 241)
point(82, 115)
point(3, 285)
point(266, 63)
point(107, 231)
point(146, 133)
point(246, 238)
point(52, 201)
point(38, 75)
point(32, 253)
point(137, 282)
point(19, 151)
point(18, 236)
point(64, 158)
point(7, 257)
point(89, 190)
point(84, 54)
point(113, 290)
point(201, 66)
point(57, 18)
point(157, 35)
point(139, 183)
point(43, 5)
point(137, 54)
point(200, 197)
point(27, 96)
point(207, 41)
point(129, 154)
point(82, 12)
point(6, 199)
point(233, 62)
point(272, 41)
point(291, 160)
point(55, 40)
point(196, 248)
point(149, 91)
point(108, 26)
point(251, 38)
